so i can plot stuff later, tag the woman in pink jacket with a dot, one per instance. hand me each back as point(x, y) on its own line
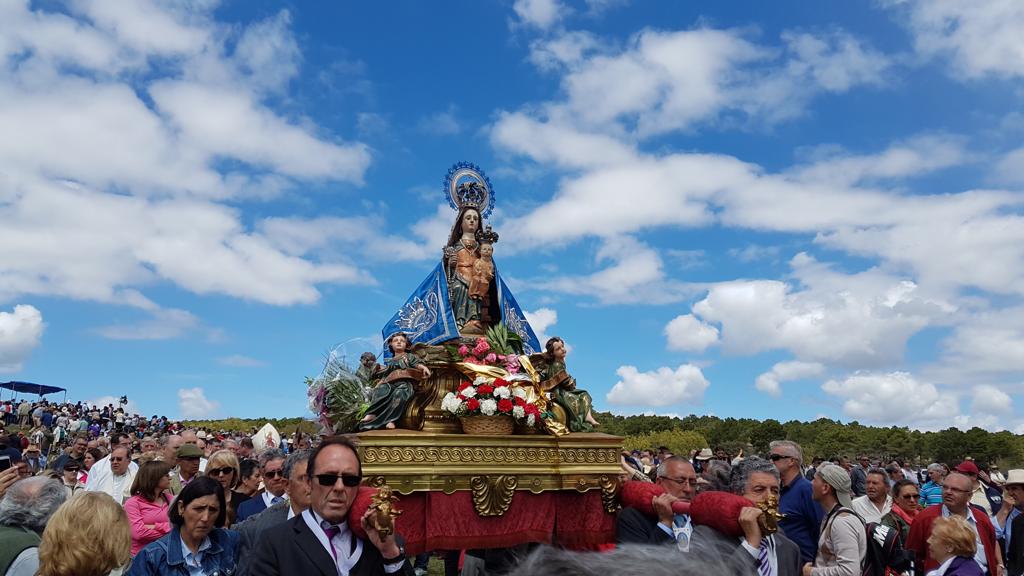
point(147, 508)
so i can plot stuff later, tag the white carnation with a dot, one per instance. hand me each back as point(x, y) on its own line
point(502, 392)
point(480, 380)
point(488, 407)
point(451, 403)
point(469, 392)
point(519, 392)
point(531, 420)
point(518, 411)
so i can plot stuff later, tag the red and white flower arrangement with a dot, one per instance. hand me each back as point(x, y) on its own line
point(484, 397)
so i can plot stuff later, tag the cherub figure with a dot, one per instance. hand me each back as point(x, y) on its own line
point(483, 273)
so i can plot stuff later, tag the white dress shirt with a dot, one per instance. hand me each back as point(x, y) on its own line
point(100, 473)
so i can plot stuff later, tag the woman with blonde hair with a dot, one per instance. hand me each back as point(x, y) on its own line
point(952, 545)
point(223, 467)
point(148, 506)
point(87, 536)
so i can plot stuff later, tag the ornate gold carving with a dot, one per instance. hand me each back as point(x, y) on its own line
point(456, 454)
point(383, 517)
point(769, 521)
point(609, 494)
point(493, 495)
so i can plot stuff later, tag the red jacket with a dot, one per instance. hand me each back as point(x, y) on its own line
point(921, 529)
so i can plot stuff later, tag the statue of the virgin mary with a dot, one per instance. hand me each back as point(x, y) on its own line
point(448, 304)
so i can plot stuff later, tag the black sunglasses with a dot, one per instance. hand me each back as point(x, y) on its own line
point(218, 471)
point(274, 474)
point(348, 480)
point(777, 457)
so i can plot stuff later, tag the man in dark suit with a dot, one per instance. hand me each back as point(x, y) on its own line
point(298, 500)
point(756, 479)
point(272, 469)
point(319, 541)
point(679, 479)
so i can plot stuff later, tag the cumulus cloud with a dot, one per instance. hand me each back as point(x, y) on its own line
point(541, 14)
point(687, 333)
point(193, 403)
point(894, 398)
point(771, 382)
point(988, 399)
point(634, 273)
point(980, 39)
point(662, 387)
point(833, 318)
point(541, 320)
point(149, 118)
point(20, 333)
point(1010, 168)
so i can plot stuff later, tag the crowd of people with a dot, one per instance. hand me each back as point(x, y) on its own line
point(96, 491)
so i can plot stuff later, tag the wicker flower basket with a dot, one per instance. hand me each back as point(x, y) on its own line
point(487, 425)
point(524, 429)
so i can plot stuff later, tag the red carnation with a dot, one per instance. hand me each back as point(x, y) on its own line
point(485, 389)
point(520, 401)
point(464, 385)
point(504, 405)
point(472, 404)
point(499, 382)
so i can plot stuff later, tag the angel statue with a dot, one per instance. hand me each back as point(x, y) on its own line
point(577, 403)
point(396, 386)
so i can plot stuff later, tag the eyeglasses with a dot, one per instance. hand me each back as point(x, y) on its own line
point(348, 480)
point(274, 474)
point(951, 489)
point(218, 471)
point(777, 457)
point(911, 496)
point(681, 481)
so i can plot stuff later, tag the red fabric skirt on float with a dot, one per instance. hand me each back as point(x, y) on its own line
point(438, 521)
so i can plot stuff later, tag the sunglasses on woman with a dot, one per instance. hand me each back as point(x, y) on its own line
point(218, 471)
point(348, 480)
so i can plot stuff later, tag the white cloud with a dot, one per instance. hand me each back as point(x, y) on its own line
point(541, 14)
point(986, 344)
point(916, 156)
point(894, 398)
point(541, 320)
point(1010, 168)
point(146, 118)
point(981, 38)
point(566, 50)
point(635, 274)
point(771, 382)
point(192, 403)
point(689, 334)
point(164, 324)
point(131, 407)
point(988, 399)
point(444, 123)
point(20, 333)
point(853, 320)
point(662, 387)
point(267, 52)
point(240, 361)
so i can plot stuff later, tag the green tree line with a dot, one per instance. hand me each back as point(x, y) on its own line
point(823, 437)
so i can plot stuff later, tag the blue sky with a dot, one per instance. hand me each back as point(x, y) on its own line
point(747, 209)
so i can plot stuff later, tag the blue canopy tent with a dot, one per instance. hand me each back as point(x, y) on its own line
point(30, 388)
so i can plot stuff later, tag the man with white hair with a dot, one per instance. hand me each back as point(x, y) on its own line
point(24, 512)
point(802, 515)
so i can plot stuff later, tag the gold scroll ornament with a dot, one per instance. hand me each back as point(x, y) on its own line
point(493, 495)
point(529, 382)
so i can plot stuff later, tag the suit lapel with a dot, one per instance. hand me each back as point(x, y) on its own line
point(312, 547)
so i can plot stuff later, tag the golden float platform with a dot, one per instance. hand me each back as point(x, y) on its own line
point(493, 468)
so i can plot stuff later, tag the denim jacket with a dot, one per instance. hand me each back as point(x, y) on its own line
point(164, 558)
